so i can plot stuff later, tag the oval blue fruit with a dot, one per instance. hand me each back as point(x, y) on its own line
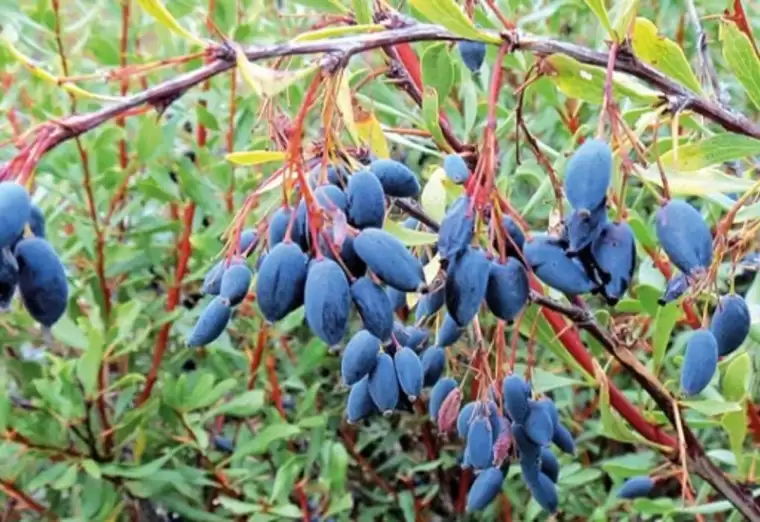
point(374, 307)
point(383, 386)
point(484, 489)
point(584, 227)
point(281, 280)
point(552, 265)
point(366, 200)
point(359, 357)
point(433, 364)
point(390, 260)
point(278, 225)
point(438, 394)
point(516, 393)
point(480, 443)
point(538, 424)
point(397, 298)
point(700, 362)
point(36, 222)
point(327, 300)
point(8, 278)
point(465, 418)
point(730, 323)
point(235, 283)
point(15, 210)
point(466, 285)
point(331, 197)
point(359, 404)
point(545, 492)
point(248, 240)
point(472, 53)
point(676, 287)
point(449, 332)
point(550, 408)
point(513, 244)
point(333, 175)
point(397, 179)
point(409, 372)
point(636, 487)
point(614, 254)
point(41, 280)
point(588, 175)
point(411, 336)
point(429, 304)
point(211, 323)
point(457, 228)
point(684, 236)
point(508, 289)
point(549, 464)
point(563, 439)
point(456, 168)
point(530, 453)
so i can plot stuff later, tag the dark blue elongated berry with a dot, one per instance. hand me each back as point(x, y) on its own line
point(212, 283)
point(396, 297)
point(334, 175)
point(410, 336)
point(409, 372)
point(530, 453)
point(347, 254)
point(588, 175)
point(538, 425)
point(390, 260)
point(359, 404)
point(456, 168)
point(223, 444)
point(8, 278)
point(397, 179)
point(366, 200)
point(514, 243)
point(636, 487)
point(41, 280)
point(552, 265)
point(676, 287)
point(614, 254)
point(359, 357)
point(331, 197)
point(248, 239)
point(550, 408)
point(235, 283)
point(563, 439)
point(508, 289)
point(374, 307)
point(480, 443)
point(300, 232)
point(429, 304)
point(516, 393)
point(211, 323)
point(36, 221)
point(549, 464)
point(449, 332)
point(15, 209)
point(466, 285)
point(484, 489)
point(684, 236)
point(700, 362)
point(383, 386)
point(433, 364)
point(472, 53)
point(278, 225)
point(327, 300)
point(544, 491)
point(438, 394)
point(457, 229)
point(584, 227)
point(466, 416)
point(281, 280)
point(730, 323)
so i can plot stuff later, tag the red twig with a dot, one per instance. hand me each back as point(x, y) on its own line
point(10, 489)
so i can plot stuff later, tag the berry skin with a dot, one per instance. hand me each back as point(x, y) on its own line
point(684, 236)
point(36, 224)
point(484, 489)
point(429, 304)
point(331, 197)
point(409, 372)
point(8, 278)
point(374, 307)
point(281, 280)
point(549, 464)
point(41, 280)
point(359, 357)
point(480, 443)
point(614, 254)
point(584, 227)
point(383, 387)
point(235, 283)
point(389, 259)
point(248, 239)
point(552, 265)
point(335, 175)
point(465, 418)
point(397, 298)
point(456, 168)
point(396, 178)
point(433, 364)
point(359, 404)
point(514, 246)
point(366, 200)
point(466, 285)
point(538, 425)
point(278, 225)
point(449, 332)
point(15, 210)
point(516, 393)
point(730, 323)
point(472, 53)
point(508, 288)
point(636, 487)
point(347, 254)
point(588, 175)
point(211, 323)
point(410, 336)
point(438, 394)
point(457, 229)
point(544, 491)
point(563, 439)
point(212, 283)
point(530, 454)
point(327, 300)
point(676, 287)
point(700, 362)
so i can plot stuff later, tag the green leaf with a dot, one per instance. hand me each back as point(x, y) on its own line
point(336, 32)
point(438, 69)
point(325, 6)
point(735, 425)
point(340, 504)
point(92, 468)
point(284, 480)
point(702, 182)
point(88, 365)
point(255, 157)
point(431, 113)
point(625, 12)
point(714, 150)
point(741, 59)
point(450, 15)
point(664, 322)
point(362, 11)
point(597, 6)
point(268, 82)
point(613, 426)
point(433, 197)
point(137, 472)
point(243, 405)
point(735, 383)
point(410, 237)
point(286, 511)
point(712, 408)
point(263, 439)
point(338, 467)
point(162, 15)
point(239, 508)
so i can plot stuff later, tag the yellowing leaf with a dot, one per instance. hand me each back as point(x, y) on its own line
point(344, 101)
point(408, 236)
point(433, 197)
point(371, 133)
point(450, 15)
point(255, 157)
point(162, 15)
point(697, 183)
point(431, 115)
point(625, 11)
point(741, 59)
point(597, 6)
point(267, 82)
point(663, 54)
point(712, 151)
point(334, 32)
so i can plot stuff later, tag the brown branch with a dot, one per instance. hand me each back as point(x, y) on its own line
point(10, 489)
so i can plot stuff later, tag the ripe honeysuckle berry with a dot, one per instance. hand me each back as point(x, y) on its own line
point(41, 280)
point(15, 210)
point(588, 175)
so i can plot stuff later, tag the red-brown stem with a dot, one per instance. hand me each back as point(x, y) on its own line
point(754, 421)
point(303, 502)
point(255, 357)
point(274, 382)
point(10, 489)
point(123, 159)
point(350, 443)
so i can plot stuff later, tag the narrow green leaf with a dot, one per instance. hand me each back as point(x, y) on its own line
point(243, 405)
point(450, 15)
point(430, 113)
point(710, 151)
point(741, 59)
point(664, 322)
point(712, 408)
point(239, 508)
point(625, 12)
point(162, 15)
point(701, 182)
point(410, 237)
point(736, 378)
point(735, 424)
point(337, 32)
point(88, 365)
point(255, 157)
point(597, 6)
point(438, 69)
point(362, 11)
point(267, 436)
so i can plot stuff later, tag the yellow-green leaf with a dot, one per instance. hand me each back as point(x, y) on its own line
point(741, 59)
point(408, 236)
point(701, 182)
point(625, 12)
point(371, 133)
point(438, 69)
point(344, 101)
point(664, 322)
point(735, 424)
point(736, 378)
point(712, 151)
point(433, 197)
point(362, 11)
point(338, 31)
point(267, 82)
point(255, 157)
point(597, 6)
point(663, 54)
point(450, 15)
point(586, 82)
point(162, 15)
point(430, 114)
